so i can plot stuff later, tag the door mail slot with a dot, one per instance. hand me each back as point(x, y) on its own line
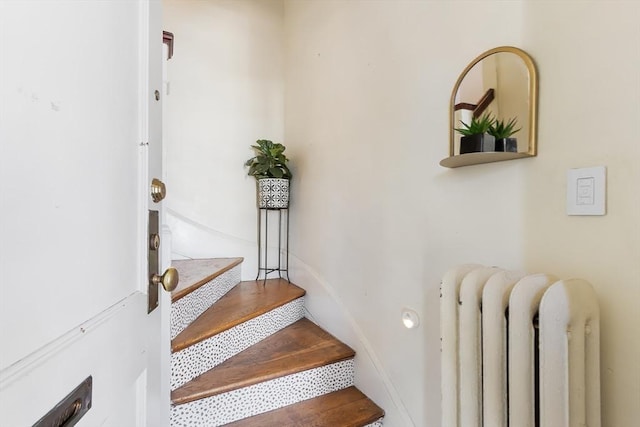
point(70, 409)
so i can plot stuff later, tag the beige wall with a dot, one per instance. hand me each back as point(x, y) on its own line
point(375, 220)
point(367, 113)
point(590, 86)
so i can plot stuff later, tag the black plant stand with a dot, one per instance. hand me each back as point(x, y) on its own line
point(282, 264)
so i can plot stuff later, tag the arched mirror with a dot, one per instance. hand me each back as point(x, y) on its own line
point(500, 86)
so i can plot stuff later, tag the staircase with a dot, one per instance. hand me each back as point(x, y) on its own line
point(244, 355)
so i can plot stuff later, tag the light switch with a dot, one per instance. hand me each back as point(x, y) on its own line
point(586, 191)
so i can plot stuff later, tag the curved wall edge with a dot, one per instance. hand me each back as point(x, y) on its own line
point(325, 308)
point(191, 239)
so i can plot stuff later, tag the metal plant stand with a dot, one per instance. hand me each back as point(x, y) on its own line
point(281, 265)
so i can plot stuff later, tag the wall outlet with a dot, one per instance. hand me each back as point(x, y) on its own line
point(587, 191)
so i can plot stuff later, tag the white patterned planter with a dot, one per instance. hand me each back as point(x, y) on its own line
point(273, 193)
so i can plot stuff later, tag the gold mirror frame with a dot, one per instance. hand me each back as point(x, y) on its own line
point(532, 149)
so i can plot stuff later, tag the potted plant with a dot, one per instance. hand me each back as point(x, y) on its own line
point(475, 136)
point(269, 168)
point(502, 132)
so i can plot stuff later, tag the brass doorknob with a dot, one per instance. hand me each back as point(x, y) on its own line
point(169, 279)
point(158, 190)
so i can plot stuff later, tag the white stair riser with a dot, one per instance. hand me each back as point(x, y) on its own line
point(203, 356)
point(266, 396)
point(188, 308)
point(375, 424)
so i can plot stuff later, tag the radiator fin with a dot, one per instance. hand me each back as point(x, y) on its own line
point(499, 369)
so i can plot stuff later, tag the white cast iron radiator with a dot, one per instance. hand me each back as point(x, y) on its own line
point(518, 350)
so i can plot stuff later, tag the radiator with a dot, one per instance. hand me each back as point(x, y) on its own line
point(518, 350)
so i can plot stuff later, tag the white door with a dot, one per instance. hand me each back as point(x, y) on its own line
point(79, 132)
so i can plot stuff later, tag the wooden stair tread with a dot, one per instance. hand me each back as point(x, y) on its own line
point(245, 301)
point(344, 408)
point(296, 348)
point(196, 272)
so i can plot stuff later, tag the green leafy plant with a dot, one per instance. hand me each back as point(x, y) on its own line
point(269, 162)
point(501, 129)
point(478, 126)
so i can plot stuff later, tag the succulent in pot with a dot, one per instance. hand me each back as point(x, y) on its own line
point(269, 168)
point(476, 136)
point(502, 131)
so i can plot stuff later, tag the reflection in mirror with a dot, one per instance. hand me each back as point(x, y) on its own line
point(501, 82)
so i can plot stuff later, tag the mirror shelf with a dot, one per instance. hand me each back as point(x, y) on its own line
point(469, 159)
point(509, 76)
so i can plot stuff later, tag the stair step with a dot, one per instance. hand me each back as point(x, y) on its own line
point(296, 348)
point(196, 272)
point(245, 301)
point(249, 313)
point(345, 408)
point(202, 283)
point(259, 398)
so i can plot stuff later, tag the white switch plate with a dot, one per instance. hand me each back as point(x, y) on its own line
point(587, 191)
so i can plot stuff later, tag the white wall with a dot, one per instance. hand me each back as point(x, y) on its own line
point(226, 91)
point(376, 221)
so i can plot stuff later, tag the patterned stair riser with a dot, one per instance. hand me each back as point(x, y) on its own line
point(201, 357)
point(188, 308)
point(262, 397)
point(376, 424)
